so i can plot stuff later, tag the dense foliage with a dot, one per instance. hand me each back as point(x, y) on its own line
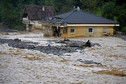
point(11, 10)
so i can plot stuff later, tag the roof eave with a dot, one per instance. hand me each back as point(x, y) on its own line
point(91, 24)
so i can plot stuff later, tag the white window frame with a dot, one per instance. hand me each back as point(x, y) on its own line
point(91, 28)
point(104, 30)
point(72, 32)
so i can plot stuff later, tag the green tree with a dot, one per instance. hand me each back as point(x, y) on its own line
point(6, 11)
point(89, 5)
point(11, 15)
point(0, 12)
point(77, 3)
point(122, 17)
point(109, 10)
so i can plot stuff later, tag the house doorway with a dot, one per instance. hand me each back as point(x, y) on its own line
point(30, 27)
point(56, 31)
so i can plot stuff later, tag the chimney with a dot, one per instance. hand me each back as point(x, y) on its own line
point(74, 7)
point(43, 8)
point(78, 8)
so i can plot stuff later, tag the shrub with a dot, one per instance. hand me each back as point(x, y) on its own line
point(124, 30)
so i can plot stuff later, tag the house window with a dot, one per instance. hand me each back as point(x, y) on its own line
point(72, 30)
point(90, 30)
point(104, 30)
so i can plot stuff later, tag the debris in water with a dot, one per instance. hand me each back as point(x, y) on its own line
point(68, 47)
point(88, 44)
point(89, 62)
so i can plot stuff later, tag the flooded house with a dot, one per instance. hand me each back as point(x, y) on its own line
point(77, 23)
point(32, 15)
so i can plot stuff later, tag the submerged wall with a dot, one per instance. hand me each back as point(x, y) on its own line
point(81, 31)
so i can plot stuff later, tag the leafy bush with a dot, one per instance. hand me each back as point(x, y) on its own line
point(124, 30)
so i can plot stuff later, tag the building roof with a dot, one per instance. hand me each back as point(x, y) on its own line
point(39, 12)
point(80, 17)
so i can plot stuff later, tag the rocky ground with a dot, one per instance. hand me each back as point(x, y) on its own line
point(34, 59)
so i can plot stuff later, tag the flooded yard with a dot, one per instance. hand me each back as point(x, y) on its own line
point(30, 58)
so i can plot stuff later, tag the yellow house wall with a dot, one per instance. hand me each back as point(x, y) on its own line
point(81, 31)
point(110, 30)
point(100, 31)
point(47, 30)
